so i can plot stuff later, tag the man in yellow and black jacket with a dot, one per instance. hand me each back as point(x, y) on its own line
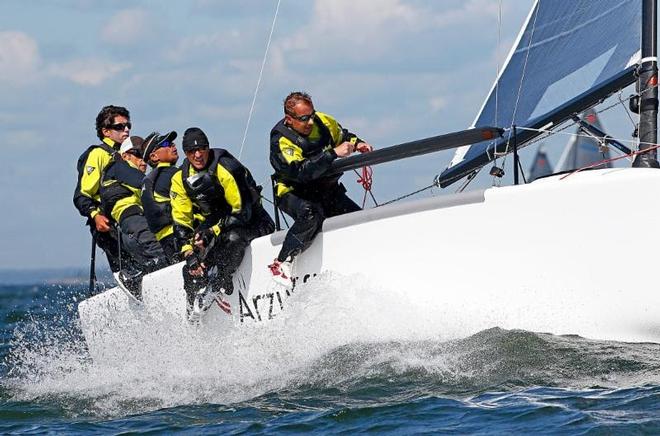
point(112, 128)
point(161, 155)
point(215, 187)
point(303, 146)
point(120, 191)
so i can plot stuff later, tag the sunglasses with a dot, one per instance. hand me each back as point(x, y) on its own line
point(196, 149)
point(119, 126)
point(303, 118)
point(134, 152)
point(165, 144)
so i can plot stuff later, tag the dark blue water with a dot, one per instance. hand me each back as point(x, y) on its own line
point(308, 375)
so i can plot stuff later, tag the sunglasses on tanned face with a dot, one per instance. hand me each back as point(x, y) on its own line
point(165, 144)
point(303, 118)
point(119, 126)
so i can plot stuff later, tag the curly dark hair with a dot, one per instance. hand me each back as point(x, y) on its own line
point(294, 98)
point(107, 116)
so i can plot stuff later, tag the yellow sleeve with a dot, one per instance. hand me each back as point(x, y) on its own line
point(334, 127)
point(232, 193)
point(182, 207)
point(97, 160)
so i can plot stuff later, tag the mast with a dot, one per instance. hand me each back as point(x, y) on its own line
point(648, 89)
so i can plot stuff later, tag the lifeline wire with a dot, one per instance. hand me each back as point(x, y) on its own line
point(261, 72)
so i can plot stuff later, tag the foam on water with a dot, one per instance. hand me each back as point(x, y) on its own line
point(335, 330)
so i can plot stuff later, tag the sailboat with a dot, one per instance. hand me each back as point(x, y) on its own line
point(541, 165)
point(477, 255)
point(584, 150)
point(580, 151)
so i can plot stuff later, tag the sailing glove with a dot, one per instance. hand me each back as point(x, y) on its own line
point(206, 236)
point(192, 262)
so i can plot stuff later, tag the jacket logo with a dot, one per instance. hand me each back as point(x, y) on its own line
point(90, 169)
point(289, 151)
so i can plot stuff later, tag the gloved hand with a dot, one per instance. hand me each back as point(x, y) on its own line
point(195, 267)
point(230, 221)
point(192, 261)
point(204, 237)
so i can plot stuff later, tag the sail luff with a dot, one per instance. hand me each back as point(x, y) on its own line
point(460, 153)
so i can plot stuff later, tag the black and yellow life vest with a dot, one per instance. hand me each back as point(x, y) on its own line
point(309, 148)
point(158, 213)
point(206, 192)
point(83, 157)
point(88, 204)
point(120, 181)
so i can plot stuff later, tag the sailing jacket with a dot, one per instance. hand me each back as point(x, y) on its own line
point(156, 200)
point(120, 190)
point(222, 194)
point(91, 165)
point(300, 162)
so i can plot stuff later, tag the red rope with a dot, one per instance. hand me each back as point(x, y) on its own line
point(604, 161)
point(365, 178)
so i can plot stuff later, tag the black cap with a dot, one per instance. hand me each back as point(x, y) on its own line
point(193, 139)
point(154, 140)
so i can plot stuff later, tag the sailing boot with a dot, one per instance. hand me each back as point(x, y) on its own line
point(130, 281)
point(282, 272)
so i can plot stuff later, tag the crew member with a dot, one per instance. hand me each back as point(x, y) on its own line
point(216, 186)
point(161, 155)
point(113, 126)
point(120, 189)
point(303, 146)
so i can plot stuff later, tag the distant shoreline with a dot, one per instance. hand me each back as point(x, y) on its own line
point(50, 276)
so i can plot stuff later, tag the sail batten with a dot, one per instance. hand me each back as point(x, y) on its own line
point(568, 51)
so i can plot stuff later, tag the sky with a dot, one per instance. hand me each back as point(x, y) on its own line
point(391, 71)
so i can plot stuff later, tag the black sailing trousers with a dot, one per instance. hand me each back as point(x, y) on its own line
point(137, 239)
point(309, 216)
point(226, 253)
point(168, 243)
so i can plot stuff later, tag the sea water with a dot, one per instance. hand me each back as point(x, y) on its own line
point(343, 358)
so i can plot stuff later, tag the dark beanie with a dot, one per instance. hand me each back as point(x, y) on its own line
point(194, 138)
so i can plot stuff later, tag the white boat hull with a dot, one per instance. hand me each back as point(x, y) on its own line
point(565, 256)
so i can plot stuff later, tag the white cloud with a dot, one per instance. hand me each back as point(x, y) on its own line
point(19, 57)
point(437, 103)
point(330, 24)
point(363, 31)
point(87, 72)
point(125, 27)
